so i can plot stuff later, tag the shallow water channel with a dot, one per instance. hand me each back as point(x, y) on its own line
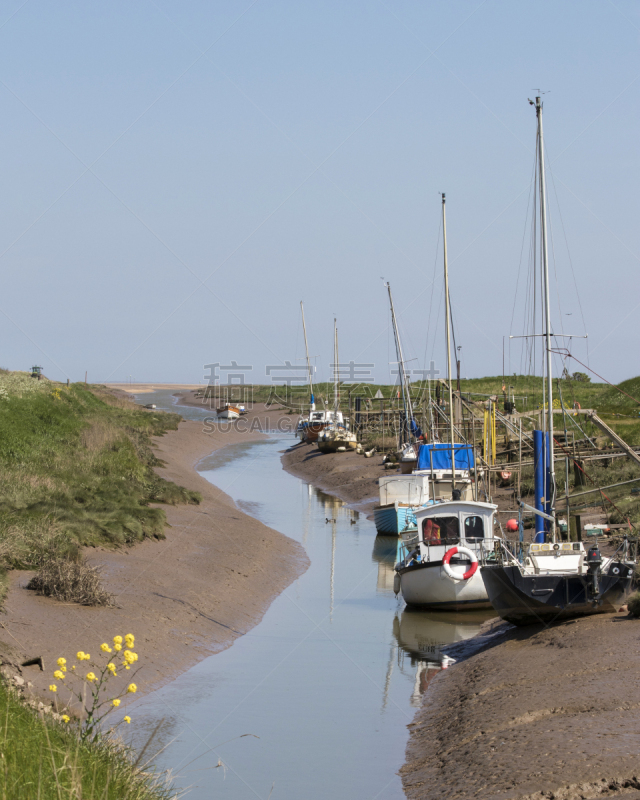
point(327, 682)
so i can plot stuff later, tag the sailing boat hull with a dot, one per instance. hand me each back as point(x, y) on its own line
point(530, 599)
point(428, 586)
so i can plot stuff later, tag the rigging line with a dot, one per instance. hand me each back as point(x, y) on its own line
point(524, 236)
point(562, 351)
point(564, 232)
point(433, 283)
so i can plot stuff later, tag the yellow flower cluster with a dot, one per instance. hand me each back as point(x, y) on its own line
point(105, 648)
point(127, 720)
point(91, 676)
point(65, 718)
point(132, 688)
point(59, 675)
point(53, 687)
point(83, 656)
point(115, 702)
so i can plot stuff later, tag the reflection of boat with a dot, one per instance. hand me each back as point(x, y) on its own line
point(228, 411)
point(385, 549)
point(423, 634)
point(438, 567)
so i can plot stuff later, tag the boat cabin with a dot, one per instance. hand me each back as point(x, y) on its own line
point(410, 490)
point(456, 523)
point(551, 557)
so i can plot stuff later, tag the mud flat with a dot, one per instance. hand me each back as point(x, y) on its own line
point(349, 476)
point(184, 597)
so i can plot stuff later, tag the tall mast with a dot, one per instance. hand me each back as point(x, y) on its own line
point(448, 326)
point(336, 401)
point(312, 405)
point(547, 308)
point(406, 397)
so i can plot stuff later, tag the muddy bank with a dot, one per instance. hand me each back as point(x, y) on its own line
point(545, 712)
point(184, 598)
point(349, 476)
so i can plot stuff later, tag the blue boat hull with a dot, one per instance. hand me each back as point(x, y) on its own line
point(393, 520)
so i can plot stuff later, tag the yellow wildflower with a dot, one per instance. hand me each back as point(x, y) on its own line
point(111, 667)
point(105, 648)
point(127, 720)
point(117, 647)
point(53, 687)
point(59, 675)
point(129, 639)
point(80, 655)
point(115, 702)
point(61, 662)
point(73, 667)
point(65, 718)
point(117, 639)
point(127, 667)
point(91, 676)
point(132, 688)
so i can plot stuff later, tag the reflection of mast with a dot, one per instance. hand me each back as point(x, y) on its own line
point(387, 678)
point(333, 561)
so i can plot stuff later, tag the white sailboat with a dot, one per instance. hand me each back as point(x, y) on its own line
point(548, 580)
point(334, 437)
point(438, 566)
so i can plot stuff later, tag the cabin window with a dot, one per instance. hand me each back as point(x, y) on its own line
point(473, 528)
point(441, 530)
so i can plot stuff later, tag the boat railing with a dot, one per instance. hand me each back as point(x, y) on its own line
point(502, 551)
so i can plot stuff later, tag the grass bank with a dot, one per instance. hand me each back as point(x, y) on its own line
point(41, 759)
point(76, 468)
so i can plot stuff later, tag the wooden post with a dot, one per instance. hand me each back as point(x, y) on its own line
point(85, 378)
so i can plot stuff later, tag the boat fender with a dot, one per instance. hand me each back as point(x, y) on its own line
point(463, 551)
point(396, 583)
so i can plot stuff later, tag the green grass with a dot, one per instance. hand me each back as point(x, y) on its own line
point(76, 468)
point(41, 758)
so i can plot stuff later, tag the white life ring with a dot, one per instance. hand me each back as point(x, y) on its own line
point(463, 551)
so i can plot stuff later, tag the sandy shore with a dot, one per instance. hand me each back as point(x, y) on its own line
point(185, 597)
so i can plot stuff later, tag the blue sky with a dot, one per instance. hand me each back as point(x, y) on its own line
point(177, 177)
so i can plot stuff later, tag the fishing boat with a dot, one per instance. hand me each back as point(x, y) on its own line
point(228, 411)
point(549, 580)
point(399, 495)
point(334, 437)
point(438, 566)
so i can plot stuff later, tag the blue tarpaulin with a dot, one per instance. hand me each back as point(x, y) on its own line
point(442, 456)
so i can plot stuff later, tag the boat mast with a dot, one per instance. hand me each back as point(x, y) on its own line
point(336, 401)
point(448, 337)
point(547, 309)
point(312, 404)
point(406, 397)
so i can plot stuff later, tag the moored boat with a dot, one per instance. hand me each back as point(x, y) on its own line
point(549, 580)
point(228, 411)
point(438, 567)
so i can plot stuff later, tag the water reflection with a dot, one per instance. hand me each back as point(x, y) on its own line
point(385, 551)
point(422, 636)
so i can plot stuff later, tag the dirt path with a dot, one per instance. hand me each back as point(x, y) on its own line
point(185, 597)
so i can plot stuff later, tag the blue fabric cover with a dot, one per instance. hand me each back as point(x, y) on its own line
point(442, 456)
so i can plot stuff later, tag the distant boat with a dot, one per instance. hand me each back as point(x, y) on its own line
point(334, 437)
point(227, 411)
